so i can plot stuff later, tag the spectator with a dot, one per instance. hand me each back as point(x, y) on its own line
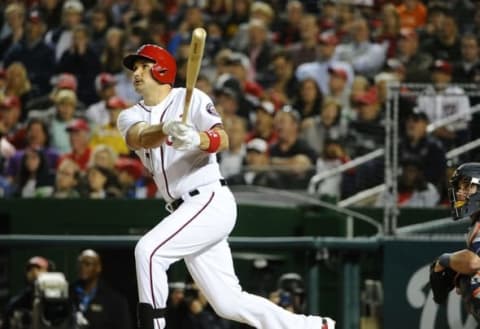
point(413, 189)
point(230, 98)
point(366, 133)
point(67, 180)
point(389, 29)
point(61, 117)
point(112, 54)
point(17, 312)
point(97, 113)
point(35, 137)
point(467, 70)
point(34, 177)
point(108, 134)
point(131, 181)
point(176, 307)
point(257, 167)
point(232, 160)
point(10, 111)
point(426, 148)
point(339, 85)
point(52, 11)
point(413, 14)
point(263, 123)
point(290, 293)
point(240, 15)
point(415, 62)
point(61, 37)
point(306, 49)
point(259, 51)
point(366, 58)
point(291, 156)
point(80, 60)
point(18, 85)
point(326, 124)
point(32, 51)
point(47, 101)
point(240, 68)
point(445, 44)
point(103, 156)
point(101, 183)
point(319, 69)
point(101, 305)
point(440, 101)
point(309, 98)
point(79, 139)
point(334, 154)
point(14, 17)
point(282, 88)
point(100, 21)
point(287, 29)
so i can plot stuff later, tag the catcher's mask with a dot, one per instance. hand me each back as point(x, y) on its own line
point(464, 191)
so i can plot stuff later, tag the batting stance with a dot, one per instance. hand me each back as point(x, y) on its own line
point(181, 158)
point(461, 269)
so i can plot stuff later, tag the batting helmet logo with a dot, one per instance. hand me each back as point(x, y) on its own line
point(165, 67)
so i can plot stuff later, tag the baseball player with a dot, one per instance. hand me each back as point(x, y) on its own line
point(462, 268)
point(181, 158)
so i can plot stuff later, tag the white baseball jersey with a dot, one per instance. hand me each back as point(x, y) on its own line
point(198, 229)
point(176, 172)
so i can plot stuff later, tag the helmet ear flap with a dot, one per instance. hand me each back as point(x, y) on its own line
point(158, 72)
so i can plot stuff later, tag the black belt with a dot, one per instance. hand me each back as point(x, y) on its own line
point(176, 203)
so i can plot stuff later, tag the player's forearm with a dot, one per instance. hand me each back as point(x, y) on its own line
point(151, 136)
point(463, 261)
point(205, 140)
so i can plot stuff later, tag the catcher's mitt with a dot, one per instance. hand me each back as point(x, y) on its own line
point(441, 282)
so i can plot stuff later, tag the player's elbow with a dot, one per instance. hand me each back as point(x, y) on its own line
point(474, 264)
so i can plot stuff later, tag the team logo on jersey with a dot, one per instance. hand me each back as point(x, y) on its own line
point(211, 109)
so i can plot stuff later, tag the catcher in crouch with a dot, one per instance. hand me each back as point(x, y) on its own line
point(461, 269)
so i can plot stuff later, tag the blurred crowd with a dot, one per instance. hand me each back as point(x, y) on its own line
point(301, 87)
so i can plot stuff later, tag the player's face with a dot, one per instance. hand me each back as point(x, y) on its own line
point(142, 76)
point(465, 189)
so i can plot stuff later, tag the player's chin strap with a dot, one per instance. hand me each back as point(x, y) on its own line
point(146, 314)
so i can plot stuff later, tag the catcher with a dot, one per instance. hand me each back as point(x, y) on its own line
point(461, 269)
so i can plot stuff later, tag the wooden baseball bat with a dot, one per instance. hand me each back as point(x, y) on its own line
point(197, 45)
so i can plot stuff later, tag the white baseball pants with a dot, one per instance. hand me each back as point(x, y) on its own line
point(197, 232)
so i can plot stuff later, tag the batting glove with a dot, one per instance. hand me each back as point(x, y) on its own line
point(189, 140)
point(174, 128)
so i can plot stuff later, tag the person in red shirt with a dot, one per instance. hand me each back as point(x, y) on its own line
point(413, 14)
point(79, 132)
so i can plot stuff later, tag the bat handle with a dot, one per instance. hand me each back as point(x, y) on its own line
point(186, 107)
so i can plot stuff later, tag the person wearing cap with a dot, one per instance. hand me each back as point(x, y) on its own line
point(366, 132)
point(366, 58)
point(318, 69)
point(130, 177)
point(80, 60)
point(291, 156)
point(18, 309)
point(108, 134)
point(339, 84)
point(79, 137)
point(425, 147)
point(60, 38)
point(240, 68)
point(102, 306)
point(34, 53)
point(440, 101)
point(257, 170)
point(416, 62)
point(105, 85)
point(230, 98)
point(64, 114)
point(263, 123)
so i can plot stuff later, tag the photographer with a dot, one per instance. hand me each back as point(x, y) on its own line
point(290, 293)
point(18, 312)
point(101, 306)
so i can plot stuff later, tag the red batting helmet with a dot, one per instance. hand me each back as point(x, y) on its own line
point(165, 68)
